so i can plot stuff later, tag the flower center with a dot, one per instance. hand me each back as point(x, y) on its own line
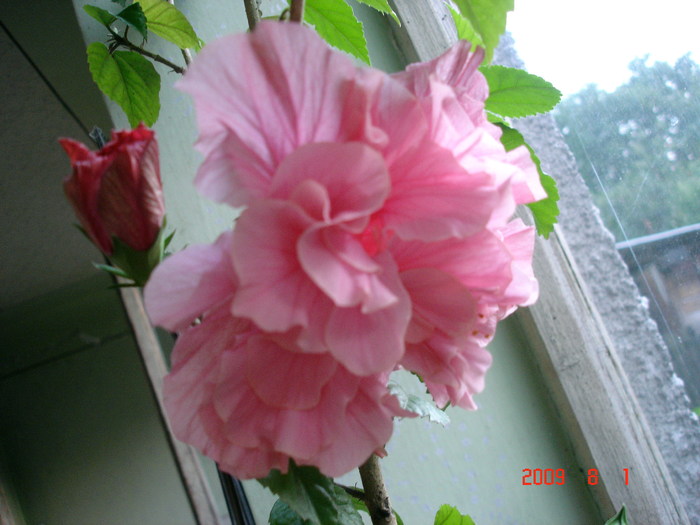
point(374, 237)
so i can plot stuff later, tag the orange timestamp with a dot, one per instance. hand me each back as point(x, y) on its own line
point(550, 476)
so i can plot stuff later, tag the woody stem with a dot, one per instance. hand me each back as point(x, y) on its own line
point(252, 11)
point(296, 11)
point(376, 496)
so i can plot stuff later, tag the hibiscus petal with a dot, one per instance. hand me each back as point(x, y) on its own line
point(452, 373)
point(274, 290)
point(283, 378)
point(434, 198)
point(252, 463)
point(481, 262)
point(440, 300)
point(469, 368)
point(189, 283)
point(369, 343)
point(366, 425)
point(353, 174)
point(251, 121)
point(389, 99)
point(195, 366)
point(519, 239)
point(339, 266)
point(82, 190)
point(457, 67)
point(526, 183)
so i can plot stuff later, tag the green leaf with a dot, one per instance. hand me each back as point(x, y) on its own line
point(465, 30)
point(111, 269)
point(281, 514)
point(423, 406)
point(383, 7)
point(129, 79)
point(618, 519)
point(103, 17)
point(133, 16)
point(448, 515)
point(168, 239)
point(335, 21)
point(546, 211)
point(168, 22)
point(488, 18)
point(516, 93)
point(496, 119)
point(511, 137)
point(312, 496)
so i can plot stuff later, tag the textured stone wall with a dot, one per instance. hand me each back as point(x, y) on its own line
point(644, 355)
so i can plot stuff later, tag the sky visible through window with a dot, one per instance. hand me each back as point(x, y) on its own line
point(574, 43)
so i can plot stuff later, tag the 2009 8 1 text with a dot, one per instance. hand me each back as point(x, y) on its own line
point(550, 476)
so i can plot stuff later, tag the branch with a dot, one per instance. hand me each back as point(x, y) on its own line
point(186, 55)
point(352, 491)
point(296, 11)
point(252, 11)
point(126, 43)
point(376, 497)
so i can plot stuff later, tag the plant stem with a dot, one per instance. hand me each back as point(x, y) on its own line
point(296, 11)
point(376, 497)
point(352, 491)
point(126, 43)
point(252, 11)
point(186, 55)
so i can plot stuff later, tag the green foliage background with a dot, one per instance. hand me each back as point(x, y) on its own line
point(639, 145)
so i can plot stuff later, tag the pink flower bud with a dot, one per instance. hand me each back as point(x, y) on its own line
point(116, 191)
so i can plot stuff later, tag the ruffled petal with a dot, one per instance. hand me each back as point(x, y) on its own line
point(456, 67)
point(190, 385)
point(258, 98)
point(367, 425)
point(481, 263)
point(189, 283)
point(434, 198)
point(526, 183)
point(285, 378)
point(453, 373)
point(353, 175)
point(369, 343)
point(274, 291)
point(339, 266)
point(519, 239)
point(440, 302)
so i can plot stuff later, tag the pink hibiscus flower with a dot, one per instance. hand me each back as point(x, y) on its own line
point(376, 235)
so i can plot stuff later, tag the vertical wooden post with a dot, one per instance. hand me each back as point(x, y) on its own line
point(190, 469)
